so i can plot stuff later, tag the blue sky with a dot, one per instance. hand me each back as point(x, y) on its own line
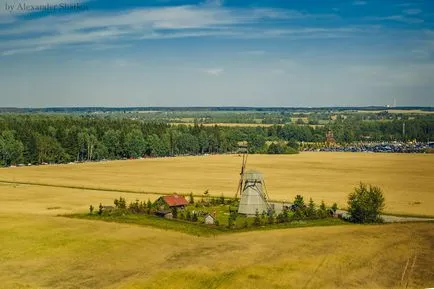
point(216, 53)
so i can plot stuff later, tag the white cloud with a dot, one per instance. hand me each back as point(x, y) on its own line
point(24, 50)
point(255, 52)
point(359, 3)
point(214, 71)
point(17, 7)
point(147, 23)
point(398, 18)
point(412, 11)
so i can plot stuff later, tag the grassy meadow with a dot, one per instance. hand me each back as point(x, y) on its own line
point(406, 179)
point(42, 250)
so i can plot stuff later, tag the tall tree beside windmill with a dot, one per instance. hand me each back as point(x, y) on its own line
point(251, 189)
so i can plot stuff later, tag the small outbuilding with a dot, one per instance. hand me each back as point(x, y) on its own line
point(209, 219)
point(164, 214)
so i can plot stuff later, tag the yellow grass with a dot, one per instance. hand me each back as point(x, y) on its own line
point(407, 179)
point(40, 250)
point(52, 252)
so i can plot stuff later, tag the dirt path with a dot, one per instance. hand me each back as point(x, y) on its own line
point(397, 219)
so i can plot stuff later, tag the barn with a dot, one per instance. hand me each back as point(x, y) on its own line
point(171, 201)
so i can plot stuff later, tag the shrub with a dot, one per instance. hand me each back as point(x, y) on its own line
point(121, 203)
point(310, 210)
point(194, 217)
point(334, 207)
point(191, 201)
point(365, 204)
point(270, 219)
point(322, 212)
point(257, 220)
point(175, 213)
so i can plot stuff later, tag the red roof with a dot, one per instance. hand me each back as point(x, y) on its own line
point(175, 200)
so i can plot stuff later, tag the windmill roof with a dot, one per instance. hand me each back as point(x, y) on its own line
point(175, 200)
point(253, 175)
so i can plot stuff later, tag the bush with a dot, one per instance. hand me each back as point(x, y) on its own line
point(334, 207)
point(194, 217)
point(257, 220)
point(366, 204)
point(310, 210)
point(191, 197)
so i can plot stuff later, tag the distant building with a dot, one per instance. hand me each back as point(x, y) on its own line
point(330, 139)
point(172, 201)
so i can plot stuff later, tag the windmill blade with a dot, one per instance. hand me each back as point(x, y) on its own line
point(240, 188)
point(265, 195)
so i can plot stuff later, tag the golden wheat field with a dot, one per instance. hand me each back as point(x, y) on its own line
point(406, 179)
point(40, 249)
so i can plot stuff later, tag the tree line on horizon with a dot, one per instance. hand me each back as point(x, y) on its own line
point(36, 138)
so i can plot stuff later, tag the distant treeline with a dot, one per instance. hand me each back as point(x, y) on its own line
point(207, 108)
point(39, 138)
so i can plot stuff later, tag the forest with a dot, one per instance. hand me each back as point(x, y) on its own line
point(60, 138)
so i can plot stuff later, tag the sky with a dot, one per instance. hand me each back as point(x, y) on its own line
point(292, 53)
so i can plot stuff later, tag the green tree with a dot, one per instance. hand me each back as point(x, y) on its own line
point(310, 210)
point(365, 204)
point(48, 149)
point(134, 144)
point(270, 219)
point(299, 201)
point(11, 149)
point(274, 148)
point(334, 207)
point(257, 219)
point(90, 209)
point(191, 198)
point(111, 141)
point(100, 209)
point(322, 212)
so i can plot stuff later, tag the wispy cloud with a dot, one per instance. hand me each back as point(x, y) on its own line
point(213, 71)
point(359, 3)
point(24, 50)
point(255, 52)
point(412, 11)
point(398, 18)
point(203, 20)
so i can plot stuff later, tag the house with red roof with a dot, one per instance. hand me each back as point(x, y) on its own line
point(171, 201)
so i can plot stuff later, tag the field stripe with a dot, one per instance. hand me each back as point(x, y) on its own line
point(89, 188)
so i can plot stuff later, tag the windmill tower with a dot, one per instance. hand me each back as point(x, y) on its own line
point(252, 191)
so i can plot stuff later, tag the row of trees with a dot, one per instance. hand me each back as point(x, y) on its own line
point(65, 138)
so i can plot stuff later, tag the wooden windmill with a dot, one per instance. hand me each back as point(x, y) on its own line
point(251, 188)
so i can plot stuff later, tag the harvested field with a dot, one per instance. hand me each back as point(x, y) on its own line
point(407, 179)
point(41, 250)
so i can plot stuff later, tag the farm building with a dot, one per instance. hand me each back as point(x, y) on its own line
point(172, 201)
point(209, 219)
point(164, 214)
